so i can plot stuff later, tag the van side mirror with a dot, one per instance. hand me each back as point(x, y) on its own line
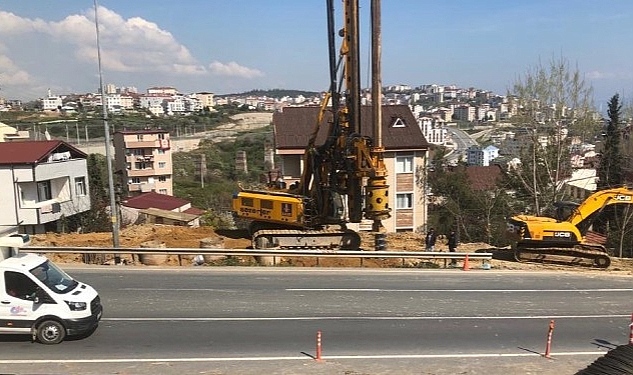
point(34, 297)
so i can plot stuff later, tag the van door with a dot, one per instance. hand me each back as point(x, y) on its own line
point(18, 311)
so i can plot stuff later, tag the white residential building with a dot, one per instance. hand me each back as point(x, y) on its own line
point(482, 157)
point(41, 182)
point(51, 102)
point(433, 130)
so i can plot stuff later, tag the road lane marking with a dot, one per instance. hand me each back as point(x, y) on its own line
point(297, 358)
point(391, 290)
point(236, 319)
point(457, 290)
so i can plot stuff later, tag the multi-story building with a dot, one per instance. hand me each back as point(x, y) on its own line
point(51, 102)
point(42, 182)
point(169, 91)
point(143, 160)
point(481, 156)
point(465, 113)
point(406, 153)
point(206, 99)
point(433, 130)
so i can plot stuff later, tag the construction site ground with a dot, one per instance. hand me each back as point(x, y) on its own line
point(184, 237)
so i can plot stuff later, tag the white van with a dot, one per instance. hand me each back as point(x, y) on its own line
point(38, 298)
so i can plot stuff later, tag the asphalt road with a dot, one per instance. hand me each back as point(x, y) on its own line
point(255, 320)
point(462, 141)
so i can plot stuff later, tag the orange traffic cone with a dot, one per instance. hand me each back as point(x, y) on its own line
point(466, 265)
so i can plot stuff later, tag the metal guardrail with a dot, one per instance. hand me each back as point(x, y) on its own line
point(260, 252)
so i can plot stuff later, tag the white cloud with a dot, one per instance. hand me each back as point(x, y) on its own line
point(10, 74)
point(12, 24)
point(594, 74)
point(233, 69)
point(62, 54)
point(132, 45)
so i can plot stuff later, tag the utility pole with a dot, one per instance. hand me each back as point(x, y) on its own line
point(106, 128)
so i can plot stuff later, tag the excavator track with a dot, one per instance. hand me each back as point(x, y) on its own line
point(306, 239)
point(579, 255)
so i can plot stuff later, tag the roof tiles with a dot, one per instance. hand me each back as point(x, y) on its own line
point(294, 126)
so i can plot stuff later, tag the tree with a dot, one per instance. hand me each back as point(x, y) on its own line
point(97, 218)
point(476, 215)
point(553, 104)
point(610, 173)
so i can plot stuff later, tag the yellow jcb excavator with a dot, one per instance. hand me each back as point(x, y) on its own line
point(563, 239)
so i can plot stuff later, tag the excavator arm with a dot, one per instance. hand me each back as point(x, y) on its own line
point(597, 201)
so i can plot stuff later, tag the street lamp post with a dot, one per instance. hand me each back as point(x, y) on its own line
point(113, 205)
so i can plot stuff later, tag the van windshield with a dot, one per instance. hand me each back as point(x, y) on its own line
point(54, 278)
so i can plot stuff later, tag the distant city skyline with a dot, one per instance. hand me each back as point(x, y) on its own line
point(236, 46)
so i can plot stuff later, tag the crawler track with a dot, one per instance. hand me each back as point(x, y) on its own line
point(306, 239)
point(579, 255)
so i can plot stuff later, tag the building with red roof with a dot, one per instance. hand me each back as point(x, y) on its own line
point(164, 209)
point(41, 182)
point(405, 157)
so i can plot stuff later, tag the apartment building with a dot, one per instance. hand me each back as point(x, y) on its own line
point(51, 102)
point(143, 161)
point(433, 130)
point(481, 156)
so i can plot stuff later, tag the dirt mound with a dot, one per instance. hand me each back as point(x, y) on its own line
point(185, 237)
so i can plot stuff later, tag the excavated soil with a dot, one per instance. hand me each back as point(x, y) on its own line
point(183, 237)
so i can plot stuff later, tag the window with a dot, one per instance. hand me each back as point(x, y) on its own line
point(162, 164)
point(80, 186)
point(266, 204)
point(161, 135)
point(398, 123)
point(139, 137)
point(142, 165)
point(135, 180)
point(404, 200)
point(162, 191)
point(19, 285)
point(44, 191)
point(404, 164)
point(161, 151)
point(162, 178)
point(138, 152)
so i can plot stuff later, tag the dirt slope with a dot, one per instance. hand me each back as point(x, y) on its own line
point(183, 237)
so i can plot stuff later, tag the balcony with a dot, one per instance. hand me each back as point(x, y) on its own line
point(133, 158)
point(143, 144)
point(144, 187)
point(141, 172)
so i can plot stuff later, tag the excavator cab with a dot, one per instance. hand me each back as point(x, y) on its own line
point(564, 209)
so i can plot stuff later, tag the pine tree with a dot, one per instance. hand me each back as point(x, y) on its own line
point(610, 173)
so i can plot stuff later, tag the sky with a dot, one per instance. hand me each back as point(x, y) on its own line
point(228, 47)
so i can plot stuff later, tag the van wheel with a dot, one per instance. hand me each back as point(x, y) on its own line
point(50, 332)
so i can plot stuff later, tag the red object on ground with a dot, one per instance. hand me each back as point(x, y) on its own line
point(548, 347)
point(318, 346)
point(466, 265)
